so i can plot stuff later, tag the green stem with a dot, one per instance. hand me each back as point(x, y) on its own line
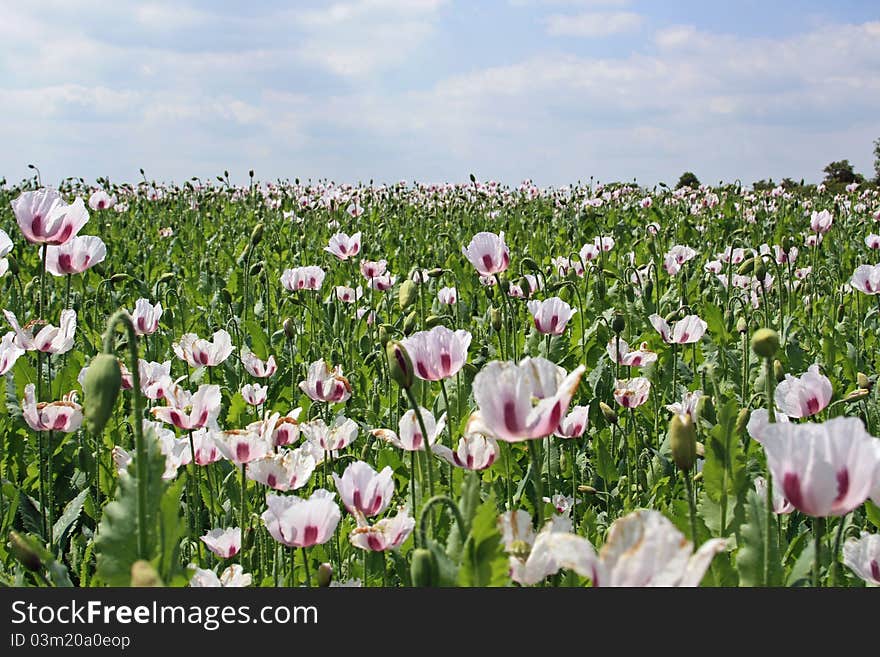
point(425, 437)
point(688, 480)
point(306, 564)
point(818, 527)
point(537, 481)
point(835, 566)
point(771, 417)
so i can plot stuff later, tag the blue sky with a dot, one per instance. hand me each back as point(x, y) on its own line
point(431, 90)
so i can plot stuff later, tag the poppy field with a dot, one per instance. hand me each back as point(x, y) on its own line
point(319, 384)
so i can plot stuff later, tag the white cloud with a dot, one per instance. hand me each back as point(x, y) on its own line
point(595, 24)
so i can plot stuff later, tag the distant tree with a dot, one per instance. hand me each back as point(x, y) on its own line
point(688, 179)
point(877, 161)
point(763, 185)
point(840, 173)
point(788, 183)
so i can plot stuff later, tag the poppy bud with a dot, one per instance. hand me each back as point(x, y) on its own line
point(778, 371)
point(166, 277)
point(225, 297)
point(760, 268)
point(608, 413)
point(433, 320)
point(765, 342)
point(856, 395)
point(257, 234)
point(841, 312)
point(863, 381)
point(618, 324)
point(289, 328)
point(29, 286)
point(495, 318)
point(706, 408)
point(399, 364)
point(257, 267)
point(144, 575)
point(13, 264)
point(424, 568)
point(409, 323)
point(649, 288)
point(101, 385)
point(747, 267)
point(407, 294)
point(383, 335)
point(742, 419)
point(742, 325)
point(119, 278)
point(586, 489)
point(683, 441)
point(436, 272)
point(26, 554)
point(325, 574)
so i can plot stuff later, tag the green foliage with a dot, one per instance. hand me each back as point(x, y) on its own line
point(755, 566)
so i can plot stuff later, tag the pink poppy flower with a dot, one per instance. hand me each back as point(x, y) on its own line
point(64, 415)
point(289, 469)
point(447, 296)
point(325, 384)
point(363, 490)
point(225, 543)
point(286, 430)
point(575, 423)
point(343, 246)
point(241, 446)
point(75, 256)
point(638, 358)
point(475, 452)
point(303, 278)
point(631, 393)
point(438, 353)
point(551, 315)
point(146, 317)
point(820, 222)
point(254, 394)
point(689, 329)
point(9, 352)
point(190, 411)
point(198, 352)
point(410, 436)
point(804, 396)
point(156, 382)
point(386, 534)
point(522, 401)
point(256, 367)
point(50, 339)
point(101, 200)
point(862, 556)
point(866, 279)
point(373, 269)
point(297, 522)
point(488, 253)
point(45, 219)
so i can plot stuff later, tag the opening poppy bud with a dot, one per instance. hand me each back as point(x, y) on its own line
point(407, 294)
point(863, 381)
point(409, 323)
point(257, 234)
point(495, 318)
point(433, 320)
point(618, 324)
point(257, 267)
point(778, 370)
point(608, 413)
point(27, 555)
point(400, 364)
point(289, 328)
point(101, 385)
point(747, 267)
point(765, 342)
point(144, 575)
point(742, 325)
point(423, 569)
point(325, 574)
point(586, 489)
point(13, 264)
point(742, 420)
point(683, 441)
point(856, 395)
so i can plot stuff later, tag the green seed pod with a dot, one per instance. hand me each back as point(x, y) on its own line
point(101, 386)
point(765, 342)
point(706, 409)
point(289, 328)
point(399, 363)
point(433, 320)
point(325, 574)
point(747, 267)
point(742, 325)
point(257, 234)
point(24, 551)
point(618, 324)
point(383, 335)
point(144, 575)
point(608, 413)
point(778, 370)
point(683, 441)
point(742, 420)
point(424, 568)
point(495, 318)
point(864, 382)
point(407, 294)
point(760, 270)
point(410, 322)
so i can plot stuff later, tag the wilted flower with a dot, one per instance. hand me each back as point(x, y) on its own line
point(386, 534)
point(286, 430)
point(233, 576)
point(50, 339)
point(638, 358)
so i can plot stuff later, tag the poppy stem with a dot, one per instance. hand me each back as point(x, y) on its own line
point(425, 438)
point(306, 564)
point(835, 566)
point(537, 481)
point(818, 528)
